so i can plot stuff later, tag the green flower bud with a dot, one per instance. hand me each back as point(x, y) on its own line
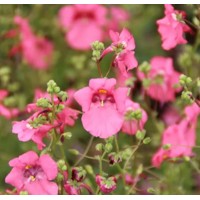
point(56, 89)
point(186, 96)
point(97, 46)
point(4, 71)
point(63, 95)
point(145, 67)
point(110, 139)
point(43, 102)
point(147, 140)
point(74, 152)
point(140, 134)
point(67, 135)
point(108, 147)
point(198, 82)
point(89, 169)
point(151, 190)
point(139, 169)
point(99, 147)
point(146, 82)
point(60, 177)
point(166, 146)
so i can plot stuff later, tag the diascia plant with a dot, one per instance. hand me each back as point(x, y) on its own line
point(141, 117)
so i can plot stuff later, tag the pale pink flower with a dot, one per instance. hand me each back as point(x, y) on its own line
point(6, 112)
point(26, 131)
point(36, 51)
point(123, 44)
point(130, 125)
point(163, 79)
point(181, 137)
point(172, 28)
point(33, 174)
point(102, 106)
point(119, 17)
point(84, 24)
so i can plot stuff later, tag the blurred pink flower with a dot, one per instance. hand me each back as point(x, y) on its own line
point(123, 44)
point(36, 51)
point(6, 112)
point(27, 131)
point(119, 17)
point(84, 24)
point(181, 137)
point(172, 28)
point(170, 116)
point(33, 174)
point(103, 106)
point(163, 79)
point(130, 125)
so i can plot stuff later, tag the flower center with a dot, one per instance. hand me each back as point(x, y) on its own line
point(84, 15)
point(102, 97)
point(31, 172)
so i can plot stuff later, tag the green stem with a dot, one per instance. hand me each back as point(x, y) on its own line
point(99, 69)
point(85, 152)
point(131, 155)
point(116, 144)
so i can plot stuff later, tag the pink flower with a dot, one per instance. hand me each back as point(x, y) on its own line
point(33, 174)
point(66, 117)
point(163, 78)
point(131, 125)
point(37, 51)
point(123, 44)
point(103, 106)
point(31, 129)
point(119, 17)
point(172, 28)
point(106, 185)
point(170, 116)
point(181, 137)
point(6, 112)
point(84, 24)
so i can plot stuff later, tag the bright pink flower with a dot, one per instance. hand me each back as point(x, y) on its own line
point(66, 117)
point(6, 112)
point(84, 24)
point(37, 51)
point(106, 185)
point(123, 44)
point(103, 106)
point(163, 79)
point(172, 28)
point(33, 174)
point(27, 131)
point(131, 125)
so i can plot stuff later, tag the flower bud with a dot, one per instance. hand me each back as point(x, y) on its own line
point(89, 169)
point(147, 140)
point(166, 146)
point(78, 174)
point(43, 103)
point(67, 135)
point(71, 189)
point(106, 185)
point(186, 96)
point(140, 134)
point(108, 147)
point(145, 67)
point(114, 158)
point(99, 147)
point(74, 152)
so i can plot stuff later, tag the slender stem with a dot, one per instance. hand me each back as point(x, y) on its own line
point(134, 150)
point(116, 144)
point(93, 158)
point(191, 24)
point(85, 152)
point(99, 69)
point(100, 163)
point(110, 67)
